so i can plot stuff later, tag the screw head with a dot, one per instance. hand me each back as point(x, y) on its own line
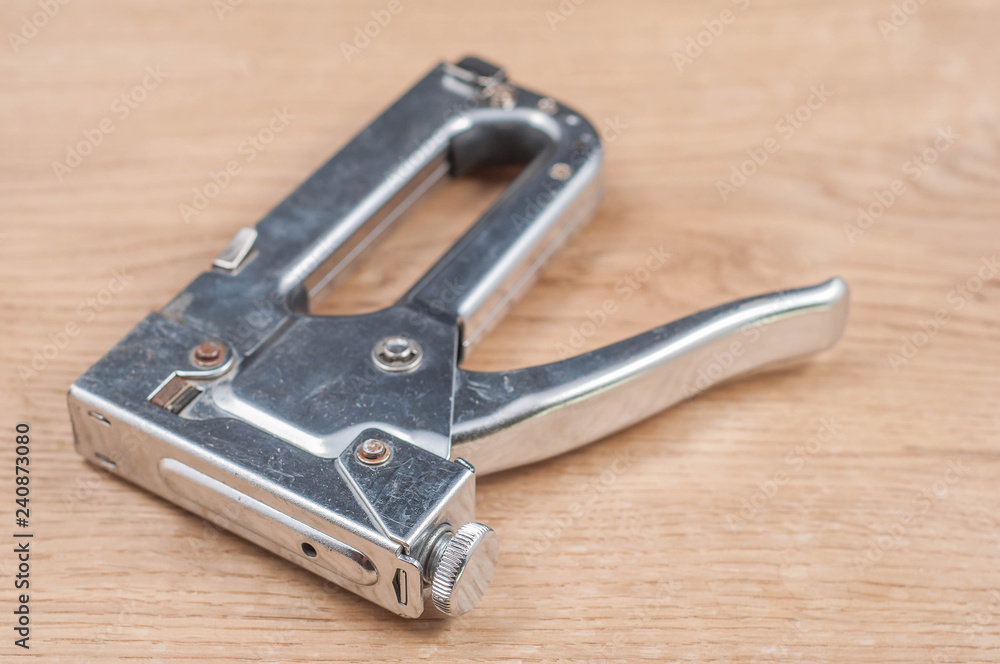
point(208, 354)
point(373, 452)
point(465, 568)
point(548, 105)
point(397, 354)
point(501, 95)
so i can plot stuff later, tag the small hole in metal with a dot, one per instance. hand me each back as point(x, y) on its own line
point(100, 418)
point(309, 549)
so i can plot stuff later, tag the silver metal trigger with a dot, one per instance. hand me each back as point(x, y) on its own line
point(350, 444)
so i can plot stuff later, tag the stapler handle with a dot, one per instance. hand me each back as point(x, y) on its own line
point(512, 418)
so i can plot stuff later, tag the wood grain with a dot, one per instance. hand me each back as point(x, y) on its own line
point(737, 532)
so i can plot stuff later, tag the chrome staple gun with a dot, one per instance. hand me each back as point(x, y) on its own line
point(349, 445)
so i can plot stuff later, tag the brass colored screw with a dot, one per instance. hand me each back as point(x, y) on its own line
point(373, 452)
point(208, 354)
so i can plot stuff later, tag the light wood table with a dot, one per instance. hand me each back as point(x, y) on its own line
point(739, 530)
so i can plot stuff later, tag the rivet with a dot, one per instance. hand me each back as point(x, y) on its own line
point(208, 354)
point(561, 171)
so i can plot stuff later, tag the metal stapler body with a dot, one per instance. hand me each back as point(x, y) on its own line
point(350, 445)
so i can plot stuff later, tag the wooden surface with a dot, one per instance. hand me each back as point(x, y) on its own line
point(734, 529)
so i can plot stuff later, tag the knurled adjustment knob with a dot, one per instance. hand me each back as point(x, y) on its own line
point(465, 569)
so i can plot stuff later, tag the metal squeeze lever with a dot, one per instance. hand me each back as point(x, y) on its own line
point(346, 444)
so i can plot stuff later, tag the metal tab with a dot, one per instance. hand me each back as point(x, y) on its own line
point(237, 250)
